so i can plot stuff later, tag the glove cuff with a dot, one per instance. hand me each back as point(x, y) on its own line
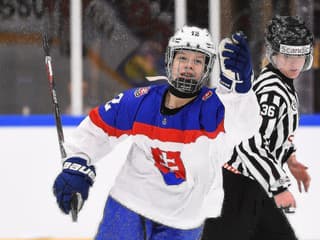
point(246, 84)
point(78, 166)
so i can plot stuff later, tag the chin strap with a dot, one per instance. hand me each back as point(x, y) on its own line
point(179, 94)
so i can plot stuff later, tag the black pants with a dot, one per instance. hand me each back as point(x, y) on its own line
point(247, 214)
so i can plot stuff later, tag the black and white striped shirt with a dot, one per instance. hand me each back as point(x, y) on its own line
point(262, 156)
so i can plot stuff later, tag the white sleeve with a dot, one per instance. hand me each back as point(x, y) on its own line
point(90, 142)
point(242, 120)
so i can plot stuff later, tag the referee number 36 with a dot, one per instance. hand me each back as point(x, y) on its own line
point(268, 110)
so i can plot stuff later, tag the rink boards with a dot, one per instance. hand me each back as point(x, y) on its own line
point(31, 161)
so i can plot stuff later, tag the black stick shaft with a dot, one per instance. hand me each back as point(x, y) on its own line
point(75, 197)
point(54, 98)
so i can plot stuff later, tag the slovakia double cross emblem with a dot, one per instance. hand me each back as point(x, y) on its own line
point(170, 165)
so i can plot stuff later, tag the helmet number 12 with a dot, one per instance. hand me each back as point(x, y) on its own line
point(195, 33)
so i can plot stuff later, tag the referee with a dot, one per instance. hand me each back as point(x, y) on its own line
point(255, 183)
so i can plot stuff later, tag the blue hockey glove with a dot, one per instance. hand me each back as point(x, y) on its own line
point(76, 177)
point(235, 63)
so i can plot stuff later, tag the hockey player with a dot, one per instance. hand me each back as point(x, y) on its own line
point(181, 133)
point(249, 212)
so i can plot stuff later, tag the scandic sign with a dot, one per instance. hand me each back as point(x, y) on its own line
point(295, 50)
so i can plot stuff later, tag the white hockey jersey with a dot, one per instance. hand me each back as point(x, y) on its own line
point(172, 173)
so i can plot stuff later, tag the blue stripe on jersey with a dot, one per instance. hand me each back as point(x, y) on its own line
point(200, 114)
point(139, 110)
point(120, 112)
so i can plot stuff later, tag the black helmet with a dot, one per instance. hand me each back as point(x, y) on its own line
point(289, 35)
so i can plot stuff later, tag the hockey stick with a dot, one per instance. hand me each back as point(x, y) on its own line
point(76, 200)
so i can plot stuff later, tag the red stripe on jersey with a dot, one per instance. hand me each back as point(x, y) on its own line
point(174, 135)
point(111, 131)
point(153, 132)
